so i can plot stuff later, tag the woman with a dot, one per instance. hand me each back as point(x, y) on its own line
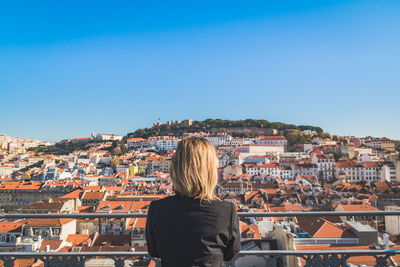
point(193, 227)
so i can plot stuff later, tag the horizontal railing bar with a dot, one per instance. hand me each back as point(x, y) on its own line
point(318, 213)
point(242, 252)
point(240, 214)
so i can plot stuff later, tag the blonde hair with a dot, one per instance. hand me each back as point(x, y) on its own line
point(194, 169)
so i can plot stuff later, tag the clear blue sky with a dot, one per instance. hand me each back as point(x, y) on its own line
point(68, 68)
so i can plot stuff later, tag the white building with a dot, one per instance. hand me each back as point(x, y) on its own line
point(325, 165)
point(258, 149)
point(272, 140)
point(293, 155)
point(392, 223)
point(286, 173)
point(373, 142)
point(389, 171)
point(268, 169)
point(108, 137)
point(219, 139)
point(305, 170)
point(323, 142)
point(359, 171)
point(167, 143)
point(135, 142)
point(9, 232)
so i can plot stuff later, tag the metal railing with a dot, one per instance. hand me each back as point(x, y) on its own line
point(240, 214)
point(271, 257)
point(276, 258)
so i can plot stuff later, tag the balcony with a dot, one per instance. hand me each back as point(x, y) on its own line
point(380, 256)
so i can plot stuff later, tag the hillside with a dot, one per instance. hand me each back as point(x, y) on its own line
point(248, 128)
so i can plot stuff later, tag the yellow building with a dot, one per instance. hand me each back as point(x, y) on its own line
point(133, 169)
point(388, 145)
point(161, 165)
point(142, 166)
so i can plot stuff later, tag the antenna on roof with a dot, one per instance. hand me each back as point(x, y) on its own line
point(83, 177)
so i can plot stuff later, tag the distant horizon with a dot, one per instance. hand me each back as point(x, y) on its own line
point(150, 125)
point(70, 68)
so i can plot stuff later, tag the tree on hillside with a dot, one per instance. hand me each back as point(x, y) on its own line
point(114, 163)
point(116, 151)
point(324, 135)
point(337, 156)
point(219, 123)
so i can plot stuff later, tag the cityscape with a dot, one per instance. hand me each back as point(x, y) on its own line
point(199, 133)
point(263, 168)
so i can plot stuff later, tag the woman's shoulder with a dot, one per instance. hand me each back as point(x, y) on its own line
point(161, 201)
point(175, 198)
point(223, 202)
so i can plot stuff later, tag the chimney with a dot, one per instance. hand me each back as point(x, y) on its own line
point(386, 241)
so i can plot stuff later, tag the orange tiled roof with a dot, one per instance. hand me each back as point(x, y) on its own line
point(113, 188)
point(285, 206)
point(346, 164)
point(23, 262)
point(260, 166)
point(54, 244)
point(13, 185)
point(381, 186)
point(139, 205)
point(113, 240)
point(252, 228)
point(74, 194)
point(318, 227)
point(140, 223)
point(370, 164)
point(85, 209)
point(47, 222)
point(357, 207)
point(79, 239)
point(6, 227)
point(40, 205)
point(118, 206)
point(91, 188)
point(93, 195)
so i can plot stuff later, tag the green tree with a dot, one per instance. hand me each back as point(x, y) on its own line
point(114, 163)
point(337, 156)
point(324, 135)
point(116, 151)
point(123, 148)
point(219, 123)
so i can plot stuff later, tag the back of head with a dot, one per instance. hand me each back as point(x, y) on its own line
point(194, 169)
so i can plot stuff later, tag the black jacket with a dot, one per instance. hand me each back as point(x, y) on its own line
point(187, 232)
